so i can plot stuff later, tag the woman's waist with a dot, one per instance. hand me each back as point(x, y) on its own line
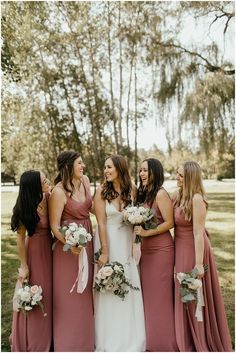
point(77, 220)
point(157, 241)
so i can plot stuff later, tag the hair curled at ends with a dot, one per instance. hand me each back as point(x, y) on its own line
point(108, 192)
point(148, 192)
point(30, 195)
point(65, 165)
point(192, 184)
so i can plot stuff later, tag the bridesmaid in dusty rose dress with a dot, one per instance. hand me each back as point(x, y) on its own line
point(33, 332)
point(157, 260)
point(193, 250)
point(70, 201)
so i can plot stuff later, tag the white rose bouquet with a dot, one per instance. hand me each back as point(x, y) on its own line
point(139, 215)
point(111, 278)
point(191, 289)
point(27, 297)
point(75, 235)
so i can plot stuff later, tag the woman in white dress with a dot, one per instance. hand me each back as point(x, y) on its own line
point(119, 324)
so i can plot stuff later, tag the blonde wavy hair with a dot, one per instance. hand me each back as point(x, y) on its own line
point(192, 184)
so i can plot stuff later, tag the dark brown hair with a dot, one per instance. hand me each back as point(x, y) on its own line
point(65, 164)
point(108, 192)
point(155, 181)
point(29, 197)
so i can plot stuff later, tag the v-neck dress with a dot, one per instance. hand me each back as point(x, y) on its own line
point(119, 323)
point(73, 320)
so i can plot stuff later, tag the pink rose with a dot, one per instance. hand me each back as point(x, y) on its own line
point(34, 289)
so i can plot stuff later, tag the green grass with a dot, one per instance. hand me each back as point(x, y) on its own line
point(220, 223)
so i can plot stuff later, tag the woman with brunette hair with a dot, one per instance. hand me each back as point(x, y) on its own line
point(119, 324)
point(157, 260)
point(193, 250)
point(33, 332)
point(70, 202)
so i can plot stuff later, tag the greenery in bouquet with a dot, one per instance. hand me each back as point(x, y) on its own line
point(111, 278)
point(75, 235)
point(189, 284)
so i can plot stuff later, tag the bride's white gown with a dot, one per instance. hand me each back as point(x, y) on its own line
point(119, 324)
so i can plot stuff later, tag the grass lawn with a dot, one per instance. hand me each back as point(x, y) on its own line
point(220, 223)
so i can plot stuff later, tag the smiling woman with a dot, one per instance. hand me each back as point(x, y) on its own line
point(71, 202)
point(115, 327)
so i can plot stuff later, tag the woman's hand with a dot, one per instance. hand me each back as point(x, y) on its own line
point(138, 230)
point(23, 273)
point(76, 250)
point(103, 259)
point(200, 270)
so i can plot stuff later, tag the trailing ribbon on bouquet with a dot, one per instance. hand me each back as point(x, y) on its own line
point(200, 303)
point(136, 252)
point(82, 277)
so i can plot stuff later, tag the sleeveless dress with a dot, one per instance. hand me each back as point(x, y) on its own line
point(211, 335)
point(33, 332)
point(73, 320)
point(157, 278)
point(119, 324)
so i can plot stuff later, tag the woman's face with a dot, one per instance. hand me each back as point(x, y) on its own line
point(45, 183)
point(110, 171)
point(180, 176)
point(143, 173)
point(78, 168)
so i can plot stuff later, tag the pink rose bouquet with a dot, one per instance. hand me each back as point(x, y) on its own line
point(111, 278)
point(27, 297)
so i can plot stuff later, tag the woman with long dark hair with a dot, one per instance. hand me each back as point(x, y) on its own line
point(157, 260)
point(119, 325)
point(33, 332)
point(71, 202)
point(210, 332)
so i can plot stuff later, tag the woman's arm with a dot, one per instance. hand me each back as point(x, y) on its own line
point(166, 208)
point(199, 219)
point(87, 185)
point(21, 248)
point(99, 207)
point(56, 205)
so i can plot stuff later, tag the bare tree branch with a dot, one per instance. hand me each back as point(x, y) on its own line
point(209, 66)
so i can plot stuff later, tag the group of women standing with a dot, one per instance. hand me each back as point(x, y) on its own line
point(151, 319)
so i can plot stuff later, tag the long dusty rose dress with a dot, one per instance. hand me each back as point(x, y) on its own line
point(33, 332)
point(157, 279)
point(211, 335)
point(73, 320)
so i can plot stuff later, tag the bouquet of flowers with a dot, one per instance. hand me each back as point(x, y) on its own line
point(75, 235)
point(27, 297)
point(191, 289)
point(139, 215)
point(111, 278)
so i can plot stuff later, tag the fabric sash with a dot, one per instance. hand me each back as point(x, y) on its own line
point(82, 277)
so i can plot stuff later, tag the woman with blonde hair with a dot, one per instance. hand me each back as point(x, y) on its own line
point(207, 330)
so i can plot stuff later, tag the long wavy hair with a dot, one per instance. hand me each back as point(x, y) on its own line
point(65, 165)
point(108, 192)
point(30, 195)
point(147, 193)
point(192, 184)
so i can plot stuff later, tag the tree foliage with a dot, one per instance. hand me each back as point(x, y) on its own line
point(86, 75)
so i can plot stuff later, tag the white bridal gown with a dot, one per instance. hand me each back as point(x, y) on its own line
point(119, 324)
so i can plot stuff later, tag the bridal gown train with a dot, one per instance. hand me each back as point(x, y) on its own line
point(119, 324)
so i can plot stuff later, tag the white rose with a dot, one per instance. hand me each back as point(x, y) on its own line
point(89, 237)
point(181, 276)
point(197, 283)
point(28, 308)
point(68, 233)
